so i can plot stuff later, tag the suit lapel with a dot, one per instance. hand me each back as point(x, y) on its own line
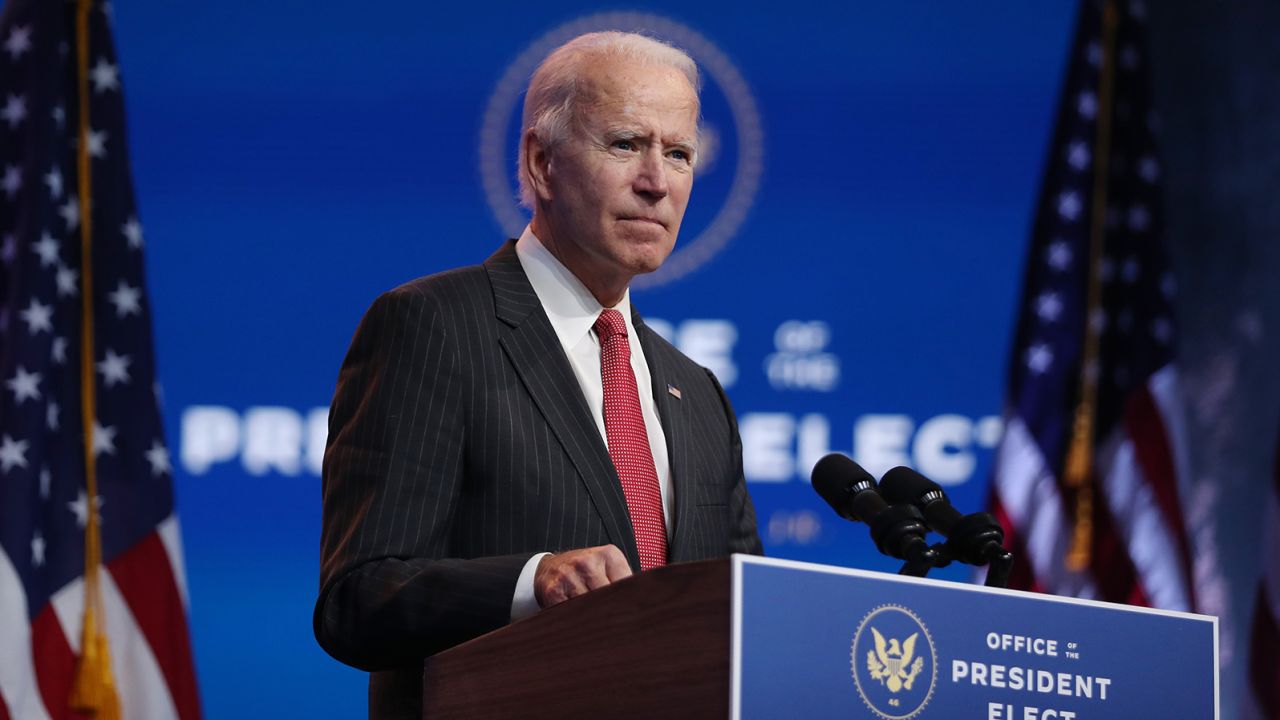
point(535, 352)
point(675, 428)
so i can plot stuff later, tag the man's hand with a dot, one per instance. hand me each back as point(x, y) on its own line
point(569, 574)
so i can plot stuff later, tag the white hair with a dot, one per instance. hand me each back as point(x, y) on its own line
point(550, 104)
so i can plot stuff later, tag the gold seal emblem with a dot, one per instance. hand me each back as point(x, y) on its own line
point(893, 662)
point(889, 662)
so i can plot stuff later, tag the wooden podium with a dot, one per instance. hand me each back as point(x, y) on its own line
point(654, 645)
point(748, 637)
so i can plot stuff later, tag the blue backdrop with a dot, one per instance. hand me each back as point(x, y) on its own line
point(849, 265)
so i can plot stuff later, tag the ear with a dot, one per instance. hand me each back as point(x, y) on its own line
point(537, 163)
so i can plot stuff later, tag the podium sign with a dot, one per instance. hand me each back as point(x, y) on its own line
point(812, 641)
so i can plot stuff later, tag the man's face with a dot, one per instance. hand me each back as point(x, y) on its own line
point(617, 189)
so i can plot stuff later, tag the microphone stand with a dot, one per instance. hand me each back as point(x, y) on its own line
point(977, 540)
point(919, 564)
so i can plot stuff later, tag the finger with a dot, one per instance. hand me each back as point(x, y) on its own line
point(556, 580)
point(561, 588)
point(615, 563)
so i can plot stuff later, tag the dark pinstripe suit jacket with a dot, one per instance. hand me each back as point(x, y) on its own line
point(460, 444)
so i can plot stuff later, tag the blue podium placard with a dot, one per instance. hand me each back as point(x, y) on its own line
point(813, 641)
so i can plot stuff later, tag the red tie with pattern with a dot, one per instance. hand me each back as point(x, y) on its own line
point(629, 442)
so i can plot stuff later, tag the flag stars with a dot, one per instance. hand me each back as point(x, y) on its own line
point(1069, 205)
point(18, 42)
point(67, 280)
point(11, 183)
point(70, 212)
point(54, 180)
point(47, 248)
point(46, 479)
point(1087, 105)
point(8, 249)
point(13, 453)
point(1098, 320)
point(95, 142)
point(37, 550)
point(1148, 168)
point(104, 76)
point(15, 110)
point(104, 439)
point(38, 317)
point(58, 353)
point(51, 416)
point(1093, 53)
point(1139, 218)
point(24, 385)
point(1078, 154)
point(1039, 358)
point(80, 507)
point(1130, 271)
point(127, 299)
point(1059, 255)
point(114, 368)
point(1049, 307)
point(59, 116)
point(158, 456)
point(132, 231)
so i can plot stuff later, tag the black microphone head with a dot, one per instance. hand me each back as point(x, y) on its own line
point(838, 479)
point(904, 486)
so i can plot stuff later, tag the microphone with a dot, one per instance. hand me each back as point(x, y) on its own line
point(898, 531)
point(976, 538)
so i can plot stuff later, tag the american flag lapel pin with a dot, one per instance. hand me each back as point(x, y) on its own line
point(675, 391)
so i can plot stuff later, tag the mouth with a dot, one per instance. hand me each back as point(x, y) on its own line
point(647, 220)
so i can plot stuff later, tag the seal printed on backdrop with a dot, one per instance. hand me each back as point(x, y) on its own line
point(497, 161)
point(893, 662)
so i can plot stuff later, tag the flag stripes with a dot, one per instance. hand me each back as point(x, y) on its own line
point(1093, 365)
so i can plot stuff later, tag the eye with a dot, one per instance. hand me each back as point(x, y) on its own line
point(627, 145)
point(680, 155)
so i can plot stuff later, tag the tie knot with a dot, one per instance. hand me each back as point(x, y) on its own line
point(610, 324)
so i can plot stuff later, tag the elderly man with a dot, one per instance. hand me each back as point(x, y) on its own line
point(507, 436)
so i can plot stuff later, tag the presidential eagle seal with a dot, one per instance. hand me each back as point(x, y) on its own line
point(893, 662)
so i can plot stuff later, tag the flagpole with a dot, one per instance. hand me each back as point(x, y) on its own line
point(94, 690)
point(1079, 467)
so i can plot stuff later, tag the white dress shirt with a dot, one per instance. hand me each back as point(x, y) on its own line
point(573, 310)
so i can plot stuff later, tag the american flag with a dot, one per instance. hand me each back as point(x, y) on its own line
point(1091, 474)
point(51, 338)
point(1264, 651)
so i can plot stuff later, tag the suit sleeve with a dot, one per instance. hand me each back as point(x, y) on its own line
point(742, 512)
point(390, 594)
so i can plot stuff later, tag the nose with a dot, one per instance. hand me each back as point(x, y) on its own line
point(651, 177)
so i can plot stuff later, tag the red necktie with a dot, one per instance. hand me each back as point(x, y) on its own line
point(629, 442)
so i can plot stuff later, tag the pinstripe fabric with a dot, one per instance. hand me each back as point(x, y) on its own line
point(460, 444)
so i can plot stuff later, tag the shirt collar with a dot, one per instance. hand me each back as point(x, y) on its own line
point(570, 307)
